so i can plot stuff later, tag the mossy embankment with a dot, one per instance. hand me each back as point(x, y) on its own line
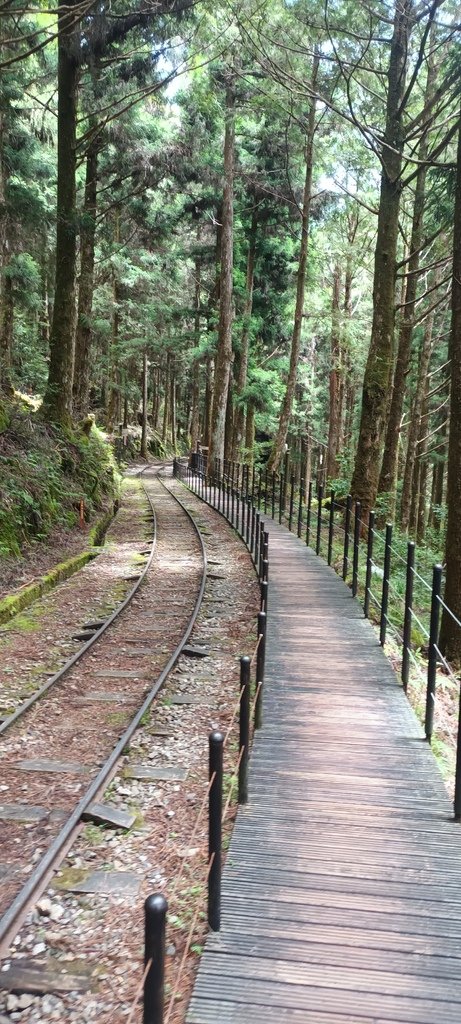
point(45, 473)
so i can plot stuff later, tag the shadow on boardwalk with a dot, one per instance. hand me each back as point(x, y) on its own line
point(342, 889)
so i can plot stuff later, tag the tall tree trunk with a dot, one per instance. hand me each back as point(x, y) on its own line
point(250, 433)
point(413, 430)
point(45, 296)
point(224, 350)
point(334, 419)
point(414, 499)
point(6, 289)
point(143, 449)
point(422, 503)
point(437, 498)
point(388, 477)
point(113, 359)
point(155, 397)
point(195, 416)
point(208, 402)
point(378, 370)
point(6, 332)
point(86, 285)
point(173, 409)
point(166, 399)
point(239, 419)
point(420, 526)
point(308, 461)
point(229, 422)
point(57, 402)
point(450, 634)
point(287, 403)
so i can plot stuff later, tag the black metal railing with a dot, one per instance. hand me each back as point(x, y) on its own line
point(386, 575)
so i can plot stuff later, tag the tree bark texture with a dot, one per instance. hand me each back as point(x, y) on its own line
point(57, 402)
point(113, 411)
point(388, 476)
point(208, 402)
point(224, 350)
point(450, 635)
point(250, 433)
point(6, 332)
point(239, 417)
point(229, 424)
point(86, 284)
point(6, 291)
point(287, 403)
point(437, 493)
point(334, 419)
point(195, 415)
point(414, 426)
point(144, 453)
point(173, 408)
point(378, 370)
point(166, 399)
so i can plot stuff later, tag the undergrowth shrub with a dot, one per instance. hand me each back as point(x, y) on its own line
point(44, 473)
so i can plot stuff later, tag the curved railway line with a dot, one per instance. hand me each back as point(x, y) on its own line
point(96, 633)
point(62, 746)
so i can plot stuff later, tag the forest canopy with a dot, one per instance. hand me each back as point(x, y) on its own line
point(239, 225)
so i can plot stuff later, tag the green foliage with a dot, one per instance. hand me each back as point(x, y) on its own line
point(44, 473)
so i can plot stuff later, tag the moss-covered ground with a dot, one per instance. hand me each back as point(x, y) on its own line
point(45, 472)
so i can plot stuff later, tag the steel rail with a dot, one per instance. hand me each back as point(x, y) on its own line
point(12, 918)
point(26, 704)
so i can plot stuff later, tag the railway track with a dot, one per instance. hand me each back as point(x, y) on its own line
point(61, 749)
point(39, 644)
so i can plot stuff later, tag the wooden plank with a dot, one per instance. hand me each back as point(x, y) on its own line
point(342, 890)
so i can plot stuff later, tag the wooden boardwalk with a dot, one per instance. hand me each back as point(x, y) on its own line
point(342, 888)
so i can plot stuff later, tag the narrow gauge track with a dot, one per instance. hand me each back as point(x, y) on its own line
point(25, 656)
point(60, 753)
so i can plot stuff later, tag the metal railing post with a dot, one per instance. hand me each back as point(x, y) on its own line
point(155, 911)
point(216, 744)
point(432, 653)
point(385, 591)
point(457, 797)
point(273, 497)
point(261, 548)
point(281, 498)
point(371, 526)
point(260, 668)
point(406, 645)
point(244, 729)
point(257, 539)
